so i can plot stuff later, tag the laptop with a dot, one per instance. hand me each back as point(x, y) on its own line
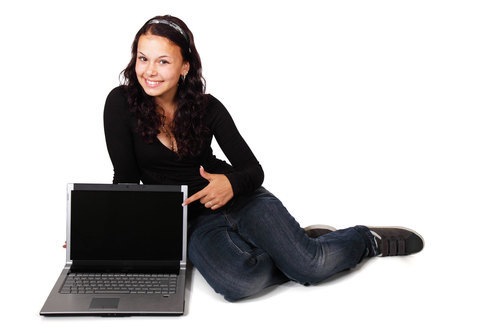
point(125, 252)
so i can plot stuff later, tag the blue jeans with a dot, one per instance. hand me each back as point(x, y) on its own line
point(253, 243)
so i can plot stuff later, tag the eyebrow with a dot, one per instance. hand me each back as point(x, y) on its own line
point(162, 56)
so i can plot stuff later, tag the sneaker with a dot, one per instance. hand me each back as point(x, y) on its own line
point(397, 241)
point(316, 230)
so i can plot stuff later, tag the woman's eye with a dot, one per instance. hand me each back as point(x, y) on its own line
point(163, 62)
point(143, 59)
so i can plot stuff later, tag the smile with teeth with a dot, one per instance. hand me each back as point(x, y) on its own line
point(152, 84)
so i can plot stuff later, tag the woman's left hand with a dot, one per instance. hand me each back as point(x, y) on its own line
point(216, 194)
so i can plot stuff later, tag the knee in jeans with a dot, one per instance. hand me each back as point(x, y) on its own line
point(243, 278)
point(233, 292)
point(236, 294)
point(311, 272)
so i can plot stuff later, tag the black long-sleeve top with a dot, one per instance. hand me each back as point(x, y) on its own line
point(136, 161)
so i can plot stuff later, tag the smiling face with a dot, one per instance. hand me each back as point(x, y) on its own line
point(159, 66)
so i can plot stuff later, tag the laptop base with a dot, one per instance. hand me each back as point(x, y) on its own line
point(113, 304)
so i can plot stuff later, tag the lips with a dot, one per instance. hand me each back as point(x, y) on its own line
point(152, 84)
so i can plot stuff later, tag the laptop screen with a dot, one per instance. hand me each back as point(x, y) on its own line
point(114, 225)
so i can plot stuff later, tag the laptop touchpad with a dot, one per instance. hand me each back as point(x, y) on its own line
point(104, 303)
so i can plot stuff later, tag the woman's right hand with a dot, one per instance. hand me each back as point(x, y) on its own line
point(216, 194)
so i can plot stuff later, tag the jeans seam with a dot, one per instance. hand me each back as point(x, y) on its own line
point(234, 244)
point(229, 222)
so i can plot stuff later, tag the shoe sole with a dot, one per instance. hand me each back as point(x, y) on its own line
point(320, 226)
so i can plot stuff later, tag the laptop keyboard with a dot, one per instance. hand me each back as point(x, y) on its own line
point(119, 283)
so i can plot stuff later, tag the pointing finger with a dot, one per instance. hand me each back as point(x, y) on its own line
point(194, 197)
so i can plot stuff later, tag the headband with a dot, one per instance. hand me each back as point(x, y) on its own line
point(173, 25)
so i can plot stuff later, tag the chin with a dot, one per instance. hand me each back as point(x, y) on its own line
point(151, 92)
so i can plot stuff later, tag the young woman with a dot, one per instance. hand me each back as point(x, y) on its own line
point(159, 126)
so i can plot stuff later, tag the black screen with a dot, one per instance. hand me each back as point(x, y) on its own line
point(126, 225)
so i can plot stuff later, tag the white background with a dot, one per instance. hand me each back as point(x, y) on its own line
point(361, 112)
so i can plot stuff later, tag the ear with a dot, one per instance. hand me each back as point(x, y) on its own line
point(185, 67)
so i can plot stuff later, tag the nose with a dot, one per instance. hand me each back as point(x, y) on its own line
point(151, 70)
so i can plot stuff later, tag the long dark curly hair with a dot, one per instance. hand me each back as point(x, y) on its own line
point(188, 127)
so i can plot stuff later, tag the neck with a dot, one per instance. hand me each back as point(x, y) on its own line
point(167, 108)
point(167, 100)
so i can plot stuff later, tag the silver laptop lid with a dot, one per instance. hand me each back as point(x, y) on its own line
point(126, 227)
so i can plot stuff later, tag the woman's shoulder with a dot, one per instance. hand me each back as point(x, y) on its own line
point(116, 102)
point(214, 107)
point(210, 101)
point(117, 94)
point(217, 117)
